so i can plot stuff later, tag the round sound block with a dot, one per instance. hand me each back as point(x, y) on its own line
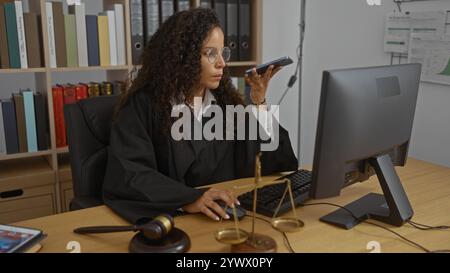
point(176, 241)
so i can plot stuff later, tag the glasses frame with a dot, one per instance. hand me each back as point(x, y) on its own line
point(212, 59)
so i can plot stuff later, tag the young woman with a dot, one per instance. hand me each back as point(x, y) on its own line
point(148, 171)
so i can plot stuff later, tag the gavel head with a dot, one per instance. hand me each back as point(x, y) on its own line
point(158, 228)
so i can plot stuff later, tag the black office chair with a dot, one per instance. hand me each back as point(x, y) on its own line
point(88, 125)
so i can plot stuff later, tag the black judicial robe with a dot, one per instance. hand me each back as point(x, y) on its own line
point(149, 173)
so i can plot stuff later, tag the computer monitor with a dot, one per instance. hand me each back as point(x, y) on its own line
point(364, 128)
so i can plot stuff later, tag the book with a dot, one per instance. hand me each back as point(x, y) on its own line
point(4, 56)
point(42, 131)
point(112, 36)
point(33, 39)
point(80, 23)
point(60, 34)
point(103, 40)
point(51, 34)
point(120, 34)
point(58, 105)
point(21, 125)
point(10, 126)
point(21, 35)
point(71, 40)
point(30, 120)
point(2, 134)
point(12, 38)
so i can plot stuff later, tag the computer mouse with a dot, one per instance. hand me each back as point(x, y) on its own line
point(240, 211)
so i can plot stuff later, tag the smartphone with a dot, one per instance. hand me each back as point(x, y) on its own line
point(261, 69)
point(18, 239)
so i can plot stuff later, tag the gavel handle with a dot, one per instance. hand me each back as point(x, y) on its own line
point(105, 229)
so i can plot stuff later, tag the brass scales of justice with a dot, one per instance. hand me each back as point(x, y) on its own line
point(240, 240)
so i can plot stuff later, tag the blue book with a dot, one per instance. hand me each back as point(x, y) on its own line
point(92, 40)
point(30, 120)
point(10, 126)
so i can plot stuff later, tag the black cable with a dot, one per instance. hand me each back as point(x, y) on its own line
point(383, 227)
point(426, 227)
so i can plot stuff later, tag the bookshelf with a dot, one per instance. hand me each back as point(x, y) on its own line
point(55, 162)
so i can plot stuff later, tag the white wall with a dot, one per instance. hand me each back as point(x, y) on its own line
point(339, 34)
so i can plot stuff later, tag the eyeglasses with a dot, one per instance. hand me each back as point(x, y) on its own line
point(212, 53)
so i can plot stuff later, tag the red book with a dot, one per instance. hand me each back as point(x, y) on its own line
point(81, 92)
point(58, 104)
point(69, 94)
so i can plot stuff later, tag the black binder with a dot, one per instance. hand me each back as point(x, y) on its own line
point(151, 18)
point(42, 132)
point(137, 30)
point(244, 30)
point(220, 6)
point(10, 125)
point(232, 29)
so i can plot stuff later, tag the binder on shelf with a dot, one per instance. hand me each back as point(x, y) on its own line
point(137, 30)
point(244, 30)
point(21, 127)
point(92, 40)
point(206, 4)
point(69, 94)
point(58, 105)
point(11, 31)
point(10, 126)
point(2, 133)
point(167, 8)
point(112, 36)
point(30, 120)
point(34, 40)
point(106, 89)
point(42, 131)
point(220, 6)
point(51, 34)
point(60, 35)
point(103, 40)
point(93, 89)
point(80, 23)
point(21, 34)
point(183, 5)
point(232, 29)
point(151, 18)
point(4, 56)
point(71, 40)
point(120, 34)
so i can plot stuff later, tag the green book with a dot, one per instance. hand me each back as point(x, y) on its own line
point(71, 40)
point(11, 32)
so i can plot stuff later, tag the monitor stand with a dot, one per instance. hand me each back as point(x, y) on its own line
point(391, 207)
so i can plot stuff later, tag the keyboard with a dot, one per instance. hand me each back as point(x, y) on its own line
point(269, 196)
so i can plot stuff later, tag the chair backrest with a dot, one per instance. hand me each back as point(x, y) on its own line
point(88, 125)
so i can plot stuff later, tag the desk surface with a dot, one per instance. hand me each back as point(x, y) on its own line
point(427, 186)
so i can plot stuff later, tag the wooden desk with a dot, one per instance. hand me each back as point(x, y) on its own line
point(427, 186)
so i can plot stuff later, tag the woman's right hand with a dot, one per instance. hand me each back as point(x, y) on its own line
point(206, 203)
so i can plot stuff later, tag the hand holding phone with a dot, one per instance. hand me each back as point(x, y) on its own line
point(261, 69)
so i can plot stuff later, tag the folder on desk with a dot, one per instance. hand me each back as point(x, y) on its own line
point(137, 30)
point(232, 29)
point(244, 30)
point(151, 18)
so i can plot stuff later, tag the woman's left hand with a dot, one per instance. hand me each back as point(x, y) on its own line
point(259, 84)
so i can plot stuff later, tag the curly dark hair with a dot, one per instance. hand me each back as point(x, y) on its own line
point(171, 64)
